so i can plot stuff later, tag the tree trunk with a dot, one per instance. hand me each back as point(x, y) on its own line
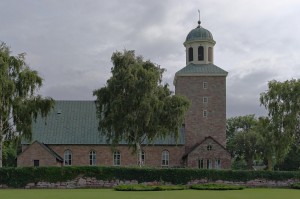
point(249, 163)
point(139, 154)
point(270, 163)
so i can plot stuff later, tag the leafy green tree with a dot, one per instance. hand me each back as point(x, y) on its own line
point(135, 106)
point(292, 160)
point(267, 141)
point(238, 124)
point(11, 148)
point(19, 103)
point(282, 100)
point(242, 139)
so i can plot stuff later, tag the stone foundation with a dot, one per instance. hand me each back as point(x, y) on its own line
point(87, 182)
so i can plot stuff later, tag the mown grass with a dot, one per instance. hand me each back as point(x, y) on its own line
point(180, 194)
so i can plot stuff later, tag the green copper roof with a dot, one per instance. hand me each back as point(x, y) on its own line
point(201, 70)
point(199, 34)
point(75, 122)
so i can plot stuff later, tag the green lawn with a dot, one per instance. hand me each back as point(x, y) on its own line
point(111, 194)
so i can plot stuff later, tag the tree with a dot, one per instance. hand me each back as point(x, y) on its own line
point(19, 103)
point(282, 100)
point(134, 106)
point(243, 139)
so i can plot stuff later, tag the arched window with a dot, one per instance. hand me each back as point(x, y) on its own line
point(165, 158)
point(200, 53)
point(92, 158)
point(142, 158)
point(210, 54)
point(191, 57)
point(117, 158)
point(68, 157)
point(209, 164)
point(218, 164)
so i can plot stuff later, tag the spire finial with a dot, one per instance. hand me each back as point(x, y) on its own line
point(199, 22)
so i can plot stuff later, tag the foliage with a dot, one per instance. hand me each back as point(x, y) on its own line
point(282, 102)
point(238, 124)
point(134, 106)
point(222, 187)
point(11, 148)
point(292, 160)
point(19, 104)
point(295, 186)
point(243, 139)
point(19, 177)
point(142, 187)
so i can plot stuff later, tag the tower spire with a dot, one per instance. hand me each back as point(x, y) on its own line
point(199, 22)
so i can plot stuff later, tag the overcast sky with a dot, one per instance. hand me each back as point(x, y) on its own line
point(70, 42)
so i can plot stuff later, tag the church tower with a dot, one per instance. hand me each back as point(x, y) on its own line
point(204, 84)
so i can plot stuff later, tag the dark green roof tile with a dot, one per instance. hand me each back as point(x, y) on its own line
point(75, 122)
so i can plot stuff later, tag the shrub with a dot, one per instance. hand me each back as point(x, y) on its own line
point(216, 187)
point(296, 185)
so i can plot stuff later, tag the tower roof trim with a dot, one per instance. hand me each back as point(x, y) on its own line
point(200, 70)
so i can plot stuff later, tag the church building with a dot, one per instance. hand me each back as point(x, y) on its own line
point(70, 136)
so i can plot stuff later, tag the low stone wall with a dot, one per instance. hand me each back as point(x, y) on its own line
point(83, 182)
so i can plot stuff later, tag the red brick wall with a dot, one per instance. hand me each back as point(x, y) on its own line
point(104, 155)
point(216, 152)
point(36, 152)
point(196, 126)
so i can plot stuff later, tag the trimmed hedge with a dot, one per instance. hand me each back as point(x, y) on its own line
point(221, 187)
point(20, 176)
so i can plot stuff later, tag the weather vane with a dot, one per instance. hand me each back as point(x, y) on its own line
point(199, 22)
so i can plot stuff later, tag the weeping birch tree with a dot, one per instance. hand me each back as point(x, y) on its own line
point(134, 106)
point(19, 103)
point(282, 100)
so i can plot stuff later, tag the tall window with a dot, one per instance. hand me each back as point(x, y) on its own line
point(142, 158)
point(68, 158)
point(210, 54)
point(200, 53)
point(165, 158)
point(204, 85)
point(92, 158)
point(218, 164)
point(200, 163)
point(209, 164)
point(191, 57)
point(117, 158)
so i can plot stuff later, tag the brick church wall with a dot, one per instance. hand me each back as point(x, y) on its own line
point(216, 152)
point(36, 152)
point(104, 155)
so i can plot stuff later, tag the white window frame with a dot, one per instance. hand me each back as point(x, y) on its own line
point(205, 113)
point(209, 164)
point(117, 158)
point(165, 158)
point(209, 147)
point(218, 163)
point(92, 156)
point(143, 155)
point(201, 163)
point(205, 85)
point(205, 100)
point(68, 157)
